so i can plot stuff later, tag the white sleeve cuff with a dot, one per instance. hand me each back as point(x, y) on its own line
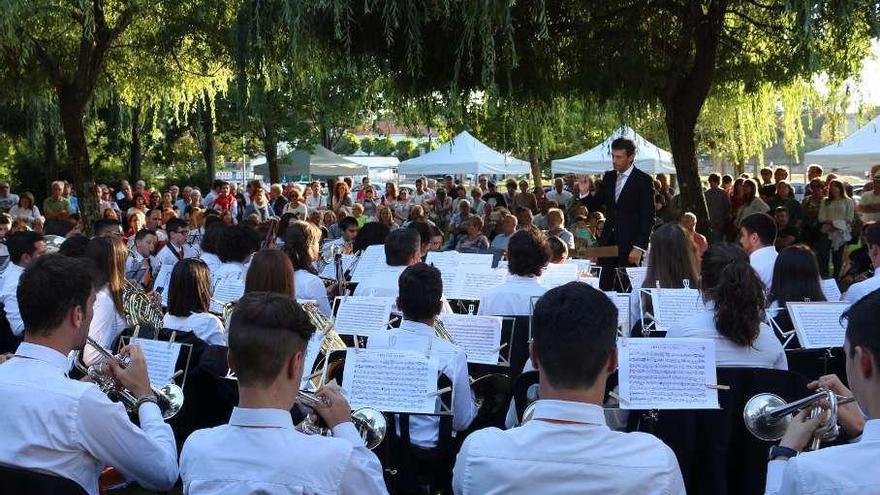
point(347, 431)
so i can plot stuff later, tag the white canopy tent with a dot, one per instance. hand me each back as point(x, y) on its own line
point(464, 154)
point(325, 163)
point(855, 153)
point(649, 158)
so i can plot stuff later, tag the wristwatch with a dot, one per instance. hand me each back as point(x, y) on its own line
point(780, 451)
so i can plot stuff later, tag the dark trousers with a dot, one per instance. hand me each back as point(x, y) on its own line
point(826, 254)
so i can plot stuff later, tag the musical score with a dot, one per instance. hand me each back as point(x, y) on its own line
point(391, 380)
point(622, 301)
point(557, 274)
point(161, 358)
point(163, 282)
point(479, 336)
point(830, 289)
point(672, 306)
point(363, 315)
point(371, 260)
point(817, 324)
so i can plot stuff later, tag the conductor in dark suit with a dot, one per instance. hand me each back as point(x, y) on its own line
point(626, 195)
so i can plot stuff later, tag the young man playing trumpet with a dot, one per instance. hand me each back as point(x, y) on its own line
point(850, 468)
point(68, 428)
point(259, 451)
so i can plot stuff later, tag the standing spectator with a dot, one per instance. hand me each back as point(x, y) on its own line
point(182, 202)
point(70, 194)
point(7, 199)
point(25, 209)
point(56, 205)
point(441, 209)
point(786, 234)
point(836, 217)
point(223, 200)
point(478, 206)
point(766, 176)
point(562, 197)
point(869, 207)
point(369, 202)
point(727, 183)
point(785, 197)
point(277, 200)
point(780, 175)
point(718, 204)
point(315, 199)
point(510, 195)
point(525, 198)
point(299, 210)
point(390, 196)
point(814, 172)
point(259, 206)
point(422, 196)
point(365, 183)
point(751, 202)
point(155, 201)
point(208, 201)
point(341, 197)
point(123, 184)
point(689, 222)
point(401, 207)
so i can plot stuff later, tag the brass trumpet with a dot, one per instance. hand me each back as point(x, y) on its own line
point(370, 423)
point(767, 416)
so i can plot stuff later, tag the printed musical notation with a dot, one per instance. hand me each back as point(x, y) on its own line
point(557, 274)
point(465, 275)
point(622, 301)
point(161, 358)
point(830, 289)
point(371, 259)
point(667, 373)
point(390, 380)
point(637, 276)
point(817, 324)
point(479, 336)
point(163, 282)
point(363, 315)
point(672, 306)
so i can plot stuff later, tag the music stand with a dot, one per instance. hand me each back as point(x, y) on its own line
point(181, 366)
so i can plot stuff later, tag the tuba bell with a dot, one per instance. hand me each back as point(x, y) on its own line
point(767, 416)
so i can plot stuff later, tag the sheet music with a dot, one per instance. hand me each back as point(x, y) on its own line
point(363, 315)
point(472, 283)
point(584, 266)
point(163, 281)
point(313, 348)
point(329, 270)
point(621, 300)
point(557, 274)
point(672, 306)
point(818, 324)
point(372, 257)
point(830, 289)
point(667, 373)
point(226, 290)
point(636, 276)
point(454, 269)
point(474, 259)
point(447, 262)
point(161, 358)
point(390, 380)
point(480, 336)
point(591, 281)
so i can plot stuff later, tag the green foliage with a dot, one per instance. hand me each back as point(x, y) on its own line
point(348, 144)
point(383, 146)
point(405, 149)
point(368, 144)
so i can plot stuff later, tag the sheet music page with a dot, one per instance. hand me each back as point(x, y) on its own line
point(480, 336)
point(313, 348)
point(584, 266)
point(830, 289)
point(672, 306)
point(390, 380)
point(557, 274)
point(621, 300)
point(163, 280)
point(636, 276)
point(667, 373)
point(161, 359)
point(591, 281)
point(474, 259)
point(363, 315)
point(372, 257)
point(448, 264)
point(329, 270)
point(502, 265)
point(473, 282)
point(818, 324)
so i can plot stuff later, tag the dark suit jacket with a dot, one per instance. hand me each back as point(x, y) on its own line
point(628, 221)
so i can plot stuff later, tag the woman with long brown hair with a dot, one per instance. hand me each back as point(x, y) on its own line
point(301, 246)
point(341, 196)
point(189, 297)
point(270, 271)
point(108, 255)
point(836, 215)
point(751, 202)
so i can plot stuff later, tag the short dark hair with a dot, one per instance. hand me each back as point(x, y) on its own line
point(558, 249)
point(266, 329)
point(106, 226)
point(761, 224)
point(175, 224)
point(347, 222)
point(528, 252)
point(872, 234)
point(714, 178)
point(74, 246)
point(370, 234)
point(22, 243)
point(189, 290)
point(49, 288)
point(401, 245)
point(58, 226)
point(625, 144)
point(236, 243)
point(861, 324)
point(421, 292)
point(573, 330)
point(212, 236)
point(143, 233)
point(424, 231)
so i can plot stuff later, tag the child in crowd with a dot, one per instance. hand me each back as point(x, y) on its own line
point(583, 237)
point(689, 222)
point(558, 250)
point(357, 211)
point(224, 200)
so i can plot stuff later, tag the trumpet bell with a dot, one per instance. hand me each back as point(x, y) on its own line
point(371, 424)
point(758, 420)
point(172, 395)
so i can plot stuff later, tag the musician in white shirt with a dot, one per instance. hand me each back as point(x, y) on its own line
point(235, 246)
point(24, 248)
point(189, 297)
point(733, 312)
point(259, 451)
point(861, 289)
point(301, 245)
point(567, 448)
point(758, 237)
point(528, 254)
point(848, 468)
point(69, 428)
point(402, 249)
point(108, 256)
point(140, 261)
point(208, 246)
point(176, 249)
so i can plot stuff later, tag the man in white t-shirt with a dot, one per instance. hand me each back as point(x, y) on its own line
point(559, 195)
point(758, 238)
point(869, 207)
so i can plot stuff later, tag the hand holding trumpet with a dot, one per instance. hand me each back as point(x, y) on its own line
point(849, 415)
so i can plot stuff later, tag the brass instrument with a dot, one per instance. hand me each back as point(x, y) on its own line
point(140, 308)
point(169, 397)
point(442, 333)
point(370, 423)
point(331, 341)
point(767, 416)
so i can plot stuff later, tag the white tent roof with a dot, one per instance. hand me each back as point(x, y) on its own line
point(326, 163)
point(649, 158)
point(375, 162)
point(464, 154)
point(857, 152)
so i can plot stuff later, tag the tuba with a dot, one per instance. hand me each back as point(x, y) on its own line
point(767, 415)
point(370, 423)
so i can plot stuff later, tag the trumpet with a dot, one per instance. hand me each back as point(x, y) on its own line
point(169, 397)
point(370, 423)
point(767, 416)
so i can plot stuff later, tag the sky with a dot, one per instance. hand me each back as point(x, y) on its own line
point(869, 86)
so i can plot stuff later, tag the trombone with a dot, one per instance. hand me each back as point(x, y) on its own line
point(370, 423)
point(767, 416)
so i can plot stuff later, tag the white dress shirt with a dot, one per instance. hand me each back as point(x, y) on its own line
point(424, 431)
point(842, 469)
point(855, 291)
point(259, 451)
point(563, 199)
point(308, 286)
point(763, 260)
point(168, 254)
point(70, 429)
point(9, 297)
point(575, 454)
point(207, 327)
point(765, 352)
point(105, 327)
point(384, 283)
point(512, 298)
point(135, 269)
point(212, 260)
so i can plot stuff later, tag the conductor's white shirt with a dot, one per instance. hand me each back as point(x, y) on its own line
point(69, 428)
point(842, 469)
point(565, 449)
point(308, 286)
point(512, 298)
point(105, 327)
point(853, 294)
point(207, 327)
point(424, 431)
point(763, 260)
point(9, 297)
point(260, 452)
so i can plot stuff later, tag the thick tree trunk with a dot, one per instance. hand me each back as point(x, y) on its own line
point(208, 150)
point(135, 155)
point(270, 147)
point(73, 106)
point(536, 165)
point(680, 125)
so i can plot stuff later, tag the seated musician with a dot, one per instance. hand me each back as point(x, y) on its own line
point(732, 314)
point(189, 297)
point(259, 451)
point(301, 240)
point(567, 448)
point(849, 468)
point(141, 265)
point(236, 245)
point(70, 428)
point(402, 249)
point(107, 255)
point(528, 254)
point(176, 248)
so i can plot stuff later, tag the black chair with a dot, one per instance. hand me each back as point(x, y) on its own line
point(8, 340)
point(519, 347)
point(523, 393)
point(715, 451)
point(17, 480)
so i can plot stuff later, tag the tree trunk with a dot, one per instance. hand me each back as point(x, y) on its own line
point(135, 155)
point(680, 125)
point(73, 105)
point(270, 147)
point(50, 155)
point(208, 150)
point(536, 165)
